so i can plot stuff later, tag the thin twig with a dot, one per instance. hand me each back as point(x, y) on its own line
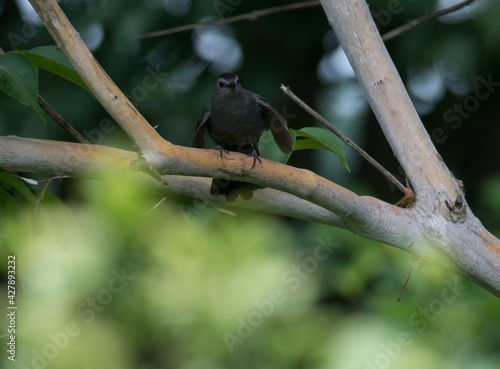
point(415, 264)
point(404, 286)
point(60, 120)
point(50, 179)
point(45, 188)
point(344, 138)
point(248, 16)
point(154, 207)
point(416, 22)
point(306, 4)
point(42, 194)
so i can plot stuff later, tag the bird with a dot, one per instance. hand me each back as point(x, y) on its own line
point(235, 119)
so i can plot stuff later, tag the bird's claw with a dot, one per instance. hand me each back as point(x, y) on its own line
point(221, 150)
point(256, 157)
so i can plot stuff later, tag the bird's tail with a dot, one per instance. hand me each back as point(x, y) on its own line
point(232, 189)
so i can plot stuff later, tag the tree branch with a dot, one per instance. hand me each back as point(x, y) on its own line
point(417, 22)
point(104, 89)
point(442, 243)
point(306, 4)
point(363, 215)
point(433, 183)
point(61, 122)
point(352, 23)
point(217, 22)
point(95, 161)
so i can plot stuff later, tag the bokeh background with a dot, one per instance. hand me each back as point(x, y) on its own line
point(106, 279)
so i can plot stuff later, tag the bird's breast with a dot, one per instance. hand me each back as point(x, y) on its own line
point(235, 122)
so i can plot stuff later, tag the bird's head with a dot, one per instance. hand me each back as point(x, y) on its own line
point(227, 83)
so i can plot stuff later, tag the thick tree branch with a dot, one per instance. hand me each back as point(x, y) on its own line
point(95, 161)
point(473, 251)
point(363, 215)
point(439, 241)
point(109, 95)
point(353, 24)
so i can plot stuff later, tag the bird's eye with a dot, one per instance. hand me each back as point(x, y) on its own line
point(221, 84)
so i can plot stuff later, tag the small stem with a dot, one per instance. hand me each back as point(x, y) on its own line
point(45, 188)
point(344, 138)
point(60, 120)
point(404, 286)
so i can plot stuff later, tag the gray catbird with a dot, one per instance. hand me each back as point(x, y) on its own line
point(235, 119)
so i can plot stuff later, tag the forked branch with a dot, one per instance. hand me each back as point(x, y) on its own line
point(167, 158)
point(426, 229)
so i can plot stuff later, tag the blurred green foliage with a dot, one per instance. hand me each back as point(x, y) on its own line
point(109, 282)
point(104, 282)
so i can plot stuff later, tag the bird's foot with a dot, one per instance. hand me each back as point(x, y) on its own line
point(221, 150)
point(256, 157)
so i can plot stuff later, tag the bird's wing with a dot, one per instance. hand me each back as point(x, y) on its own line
point(277, 124)
point(199, 132)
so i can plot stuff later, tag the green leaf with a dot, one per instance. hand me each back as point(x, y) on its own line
point(9, 202)
point(19, 79)
point(269, 149)
point(52, 60)
point(14, 194)
point(319, 138)
point(8, 180)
